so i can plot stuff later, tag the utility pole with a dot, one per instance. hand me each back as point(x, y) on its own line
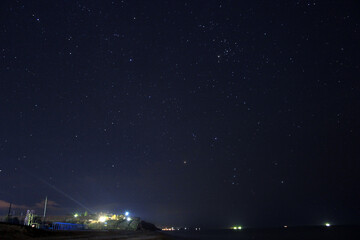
point(45, 209)
point(9, 213)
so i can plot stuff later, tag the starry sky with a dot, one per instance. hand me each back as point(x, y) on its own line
point(202, 113)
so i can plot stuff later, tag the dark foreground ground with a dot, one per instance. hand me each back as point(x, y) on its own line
point(16, 232)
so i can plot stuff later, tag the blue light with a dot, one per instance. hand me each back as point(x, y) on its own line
point(126, 213)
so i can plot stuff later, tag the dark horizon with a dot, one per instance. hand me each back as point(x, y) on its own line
point(185, 113)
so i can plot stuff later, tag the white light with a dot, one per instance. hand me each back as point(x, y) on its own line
point(128, 219)
point(126, 213)
point(327, 224)
point(102, 218)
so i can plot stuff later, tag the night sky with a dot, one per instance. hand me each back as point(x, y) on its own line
point(202, 113)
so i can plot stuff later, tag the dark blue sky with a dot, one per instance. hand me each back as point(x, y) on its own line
point(207, 113)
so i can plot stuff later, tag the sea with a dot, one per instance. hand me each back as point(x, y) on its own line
point(207, 234)
point(294, 233)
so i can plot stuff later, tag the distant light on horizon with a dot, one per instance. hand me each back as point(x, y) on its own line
point(127, 213)
point(327, 224)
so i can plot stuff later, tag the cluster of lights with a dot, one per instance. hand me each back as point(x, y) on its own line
point(237, 227)
point(127, 216)
point(104, 218)
point(168, 229)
